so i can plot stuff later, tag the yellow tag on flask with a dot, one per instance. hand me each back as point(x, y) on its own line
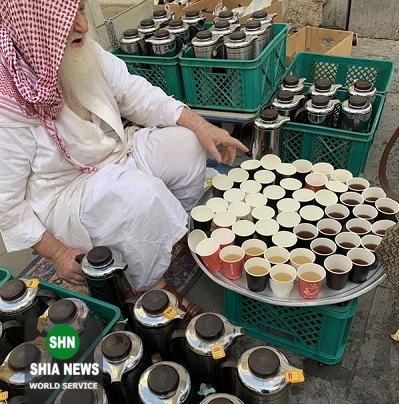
point(294, 376)
point(41, 322)
point(217, 351)
point(170, 313)
point(40, 342)
point(3, 395)
point(32, 283)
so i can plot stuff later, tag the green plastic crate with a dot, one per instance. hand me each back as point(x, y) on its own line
point(235, 84)
point(341, 148)
point(5, 276)
point(161, 72)
point(317, 332)
point(343, 70)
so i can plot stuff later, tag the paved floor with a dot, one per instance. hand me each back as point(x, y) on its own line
point(368, 372)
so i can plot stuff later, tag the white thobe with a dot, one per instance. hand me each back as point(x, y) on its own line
point(148, 175)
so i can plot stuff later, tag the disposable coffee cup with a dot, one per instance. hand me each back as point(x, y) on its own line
point(257, 271)
point(250, 186)
point(341, 175)
point(234, 195)
point(270, 161)
point(251, 166)
point(262, 212)
point(232, 258)
point(371, 242)
point(243, 230)
point(284, 170)
point(351, 199)
point(265, 178)
point(316, 181)
point(224, 219)
point(276, 255)
point(194, 238)
point(265, 229)
point(238, 175)
point(305, 233)
point(217, 204)
point(323, 168)
point(311, 214)
point(367, 212)
point(337, 271)
point(254, 248)
point(285, 239)
point(202, 216)
point(304, 196)
point(346, 241)
point(300, 256)
point(288, 220)
point(325, 198)
point(209, 250)
point(380, 227)
point(358, 184)
point(329, 228)
point(255, 199)
point(371, 195)
point(288, 205)
point(273, 194)
point(221, 183)
point(224, 236)
point(337, 187)
point(387, 208)
point(310, 278)
point(241, 209)
point(303, 168)
point(358, 226)
point(282, 278)
point(362, 261)
point(290, 185)
point(322, 248)
point(338, 212)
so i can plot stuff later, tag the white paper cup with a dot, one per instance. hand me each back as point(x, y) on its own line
point(250, 186)
point(202, 217)
point(217, 204)
point(364, 211)
point(252, 166)
point(225, 236)
point(255, 199)
point(371, 241)
point(282, 278)
point(285, 239)
point(341, 175)
point(351, 199)
point(337, 211)
point(262, 212)
point(221, 183)
point(329, 227)
point(284, 170)
point(224, 219)
point(265, 177)
point(358, 226)
point(304, 196)
point(358, 184)
point(325, 198)
point(270, 161)
point(265, 228)
point(194, 238)
point(302, 166)
point(337, 187)
point(346, 240)
point(300, 256)
point(234, 195)
point(290, 184)
point(371, 194)
point(273, 194)
point(288, 205)
point(254, 248)
point(311, 213)
point(276, 255)
point(288, 220)
point(238, 175)
point(323, 168)
point(241, 209)
point(381, 226)
point(244, 230)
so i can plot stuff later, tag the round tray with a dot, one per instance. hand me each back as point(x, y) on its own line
point(326, 295)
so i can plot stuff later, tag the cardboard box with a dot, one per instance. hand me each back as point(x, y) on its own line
point(208, 6)
point(319, 40)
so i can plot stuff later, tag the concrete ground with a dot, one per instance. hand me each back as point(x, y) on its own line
point(368, 372)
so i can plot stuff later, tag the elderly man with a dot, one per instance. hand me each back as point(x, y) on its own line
point(72, 177)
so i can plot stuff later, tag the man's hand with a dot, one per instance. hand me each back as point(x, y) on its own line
point(211, 136)
point(62, 257)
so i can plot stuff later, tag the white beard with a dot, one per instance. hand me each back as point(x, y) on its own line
point(75, 73)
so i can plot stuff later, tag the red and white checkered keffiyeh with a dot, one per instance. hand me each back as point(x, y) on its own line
point(33, 36)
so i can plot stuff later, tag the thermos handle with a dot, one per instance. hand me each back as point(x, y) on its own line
point(227, 376)
point(300, 115)
point(52, 297)
point(144, 48)
point(156, 358)
point(177, 345)
point(243, 126)
point(219, 51)
point(79, 258)
point(356, 123)
point(12, 324)
point(180, 45)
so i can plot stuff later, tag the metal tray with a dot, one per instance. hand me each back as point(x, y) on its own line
point(326, 295)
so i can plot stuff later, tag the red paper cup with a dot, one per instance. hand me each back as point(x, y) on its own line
point(310, 280)
point(209, 250)
point(232, 259)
